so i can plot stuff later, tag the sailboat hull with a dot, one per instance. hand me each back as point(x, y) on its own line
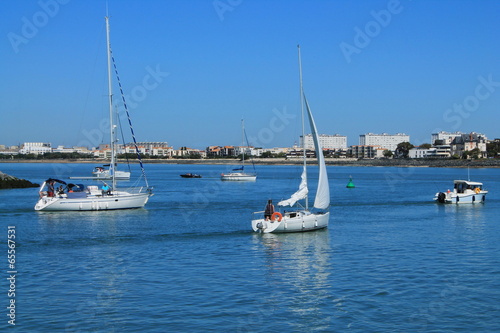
point(239, 176)
point(122, 200)
point(293, 222)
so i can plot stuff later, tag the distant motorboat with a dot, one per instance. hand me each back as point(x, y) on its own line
point(190, 175)
point(103, 173)
point(464, 191)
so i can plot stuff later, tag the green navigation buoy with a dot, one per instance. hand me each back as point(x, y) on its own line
point(350, 184)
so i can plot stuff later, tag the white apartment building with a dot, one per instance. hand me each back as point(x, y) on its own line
point(35, 148)
point(384, 140)
point(438, 151)
point(249, 151)
point(445, 137)
point(448, 137)
point(326, 141)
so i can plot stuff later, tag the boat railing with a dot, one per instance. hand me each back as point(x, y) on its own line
point(258, 215)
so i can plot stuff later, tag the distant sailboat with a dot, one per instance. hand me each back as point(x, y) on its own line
point(239, 174)
point(58, 195)
point(302, 219)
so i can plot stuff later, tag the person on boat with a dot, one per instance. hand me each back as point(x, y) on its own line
point(50, 188)
point(106, 190)
point(269, 210)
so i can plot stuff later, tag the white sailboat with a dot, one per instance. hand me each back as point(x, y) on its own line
point(71, 197)
point(239, 174)
point(301, 218)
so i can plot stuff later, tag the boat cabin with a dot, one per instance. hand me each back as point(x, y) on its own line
point(461, 186)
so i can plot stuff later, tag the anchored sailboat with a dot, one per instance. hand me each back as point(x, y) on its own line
point(58, 195)
point(239, 174)
point(301, 218)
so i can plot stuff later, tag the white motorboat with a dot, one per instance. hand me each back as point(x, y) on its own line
point(70, 197)
point(239, 174)
point(103, 173)
point(464, 191)
point(301, 218)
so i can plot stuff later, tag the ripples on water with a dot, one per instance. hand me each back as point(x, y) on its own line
point(391, 260)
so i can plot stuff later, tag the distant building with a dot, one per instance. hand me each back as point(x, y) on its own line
point(366, 151)
point(64, 150)
point(145, 148)
point(444, 138)
point(12, 150)
point(383, 140)
point(185, 151)
point(442, 151)
point(468, 142)
point(327, 141)
point(152, 148)
point(247, 150)
point(219, 151)
point(35, 148)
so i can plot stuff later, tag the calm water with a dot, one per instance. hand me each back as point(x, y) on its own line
point(390, 261)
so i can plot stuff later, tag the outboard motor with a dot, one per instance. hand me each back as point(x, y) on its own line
point(441, 197)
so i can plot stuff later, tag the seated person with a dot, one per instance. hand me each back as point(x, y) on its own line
point(106, 190)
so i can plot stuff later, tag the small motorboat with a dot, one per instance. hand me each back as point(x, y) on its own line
point(190, 175)
point(464, 191)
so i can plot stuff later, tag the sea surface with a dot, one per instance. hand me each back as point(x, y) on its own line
point(391, 259)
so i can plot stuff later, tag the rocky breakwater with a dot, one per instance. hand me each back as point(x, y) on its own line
point(7, 181)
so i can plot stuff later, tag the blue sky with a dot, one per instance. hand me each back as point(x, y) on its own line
point(193, 69)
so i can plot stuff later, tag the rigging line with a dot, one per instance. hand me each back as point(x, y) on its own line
point(129, 120)
point(123, 139)
point(248, 144)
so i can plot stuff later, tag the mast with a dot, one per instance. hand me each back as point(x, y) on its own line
point(243, 143)
point(110, 93)
point(303, 126)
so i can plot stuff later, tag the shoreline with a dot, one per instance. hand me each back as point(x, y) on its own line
point(431, 163)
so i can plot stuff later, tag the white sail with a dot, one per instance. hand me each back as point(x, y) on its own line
point(322, 200)
point(300, 194)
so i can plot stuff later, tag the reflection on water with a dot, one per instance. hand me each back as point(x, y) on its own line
point(298, 266)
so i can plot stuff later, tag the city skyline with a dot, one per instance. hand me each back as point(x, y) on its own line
point(328, 141)
point(193, 69)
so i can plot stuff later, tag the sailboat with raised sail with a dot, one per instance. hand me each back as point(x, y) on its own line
point(239, 174)
point(301, 218)
point(58, 195)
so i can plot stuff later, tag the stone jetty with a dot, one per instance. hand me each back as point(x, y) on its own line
point(7, 181)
